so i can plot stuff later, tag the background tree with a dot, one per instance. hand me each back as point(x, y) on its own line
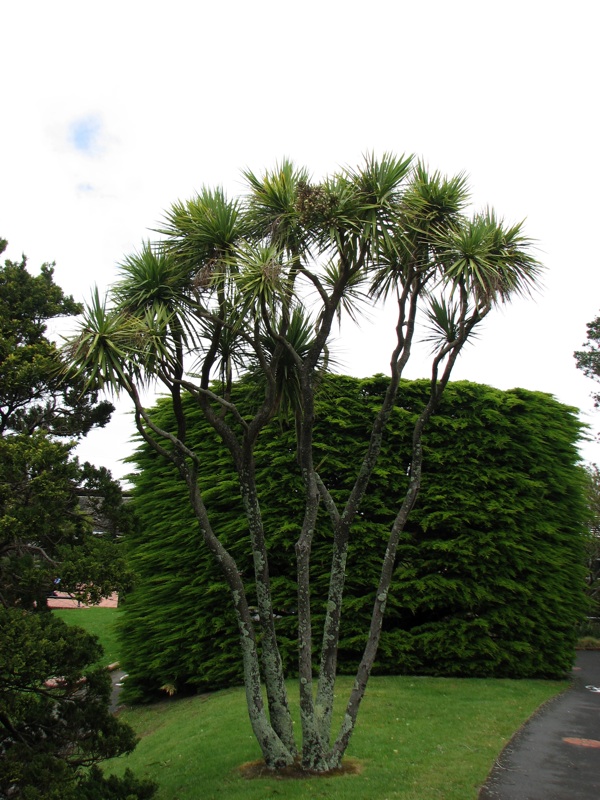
point(236, 282)
point(588, 359)
point(592, 554)
point(43, 533)
point(489, 577)
point(34, 395)
point(54, 706)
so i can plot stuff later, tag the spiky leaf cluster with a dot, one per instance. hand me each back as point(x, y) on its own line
point(228, 275)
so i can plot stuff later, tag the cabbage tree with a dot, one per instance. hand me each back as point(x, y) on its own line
point(257, 285)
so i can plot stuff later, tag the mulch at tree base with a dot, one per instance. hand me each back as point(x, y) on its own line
point(258, 769)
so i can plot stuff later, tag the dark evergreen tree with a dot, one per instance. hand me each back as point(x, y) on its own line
point(34, 395)
point(588, 359)
point(55, 721)
point(489, 580)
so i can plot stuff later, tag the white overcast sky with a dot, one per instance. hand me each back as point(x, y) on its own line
point(111, 111)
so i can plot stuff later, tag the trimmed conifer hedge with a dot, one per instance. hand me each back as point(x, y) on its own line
point(489, 578)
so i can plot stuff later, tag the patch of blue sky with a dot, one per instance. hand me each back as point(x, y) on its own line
point(84, 134)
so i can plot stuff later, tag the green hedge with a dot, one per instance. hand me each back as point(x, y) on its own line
point(489, 577)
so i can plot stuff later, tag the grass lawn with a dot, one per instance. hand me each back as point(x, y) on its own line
point(416, 738)
point(101, 621)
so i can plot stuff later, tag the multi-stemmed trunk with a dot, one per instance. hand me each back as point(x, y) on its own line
point(225, 278)
point(273, 726)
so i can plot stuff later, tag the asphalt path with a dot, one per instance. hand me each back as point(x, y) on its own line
point(556, 754)
point(117, 677)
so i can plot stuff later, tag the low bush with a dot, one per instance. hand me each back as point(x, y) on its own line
point(588, 643)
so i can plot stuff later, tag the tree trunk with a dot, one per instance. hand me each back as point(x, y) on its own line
point(277, 699)
point(276, 752)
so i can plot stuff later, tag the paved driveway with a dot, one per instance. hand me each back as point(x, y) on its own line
point(556, 755)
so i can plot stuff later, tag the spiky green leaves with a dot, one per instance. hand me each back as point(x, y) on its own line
point(377, 187)
point(430, 204)
point(299, 340)
point(491, 260)
point(107, 346)
point(434, 201)
point(229, 272)
point(272, 205)
point(436, 243)
point(204, 228)
point(444, 321)
point(260, 278)
point(156, 289)
point(150, 279)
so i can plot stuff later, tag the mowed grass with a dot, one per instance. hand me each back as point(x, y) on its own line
point(416, 738)
point(100, 621)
